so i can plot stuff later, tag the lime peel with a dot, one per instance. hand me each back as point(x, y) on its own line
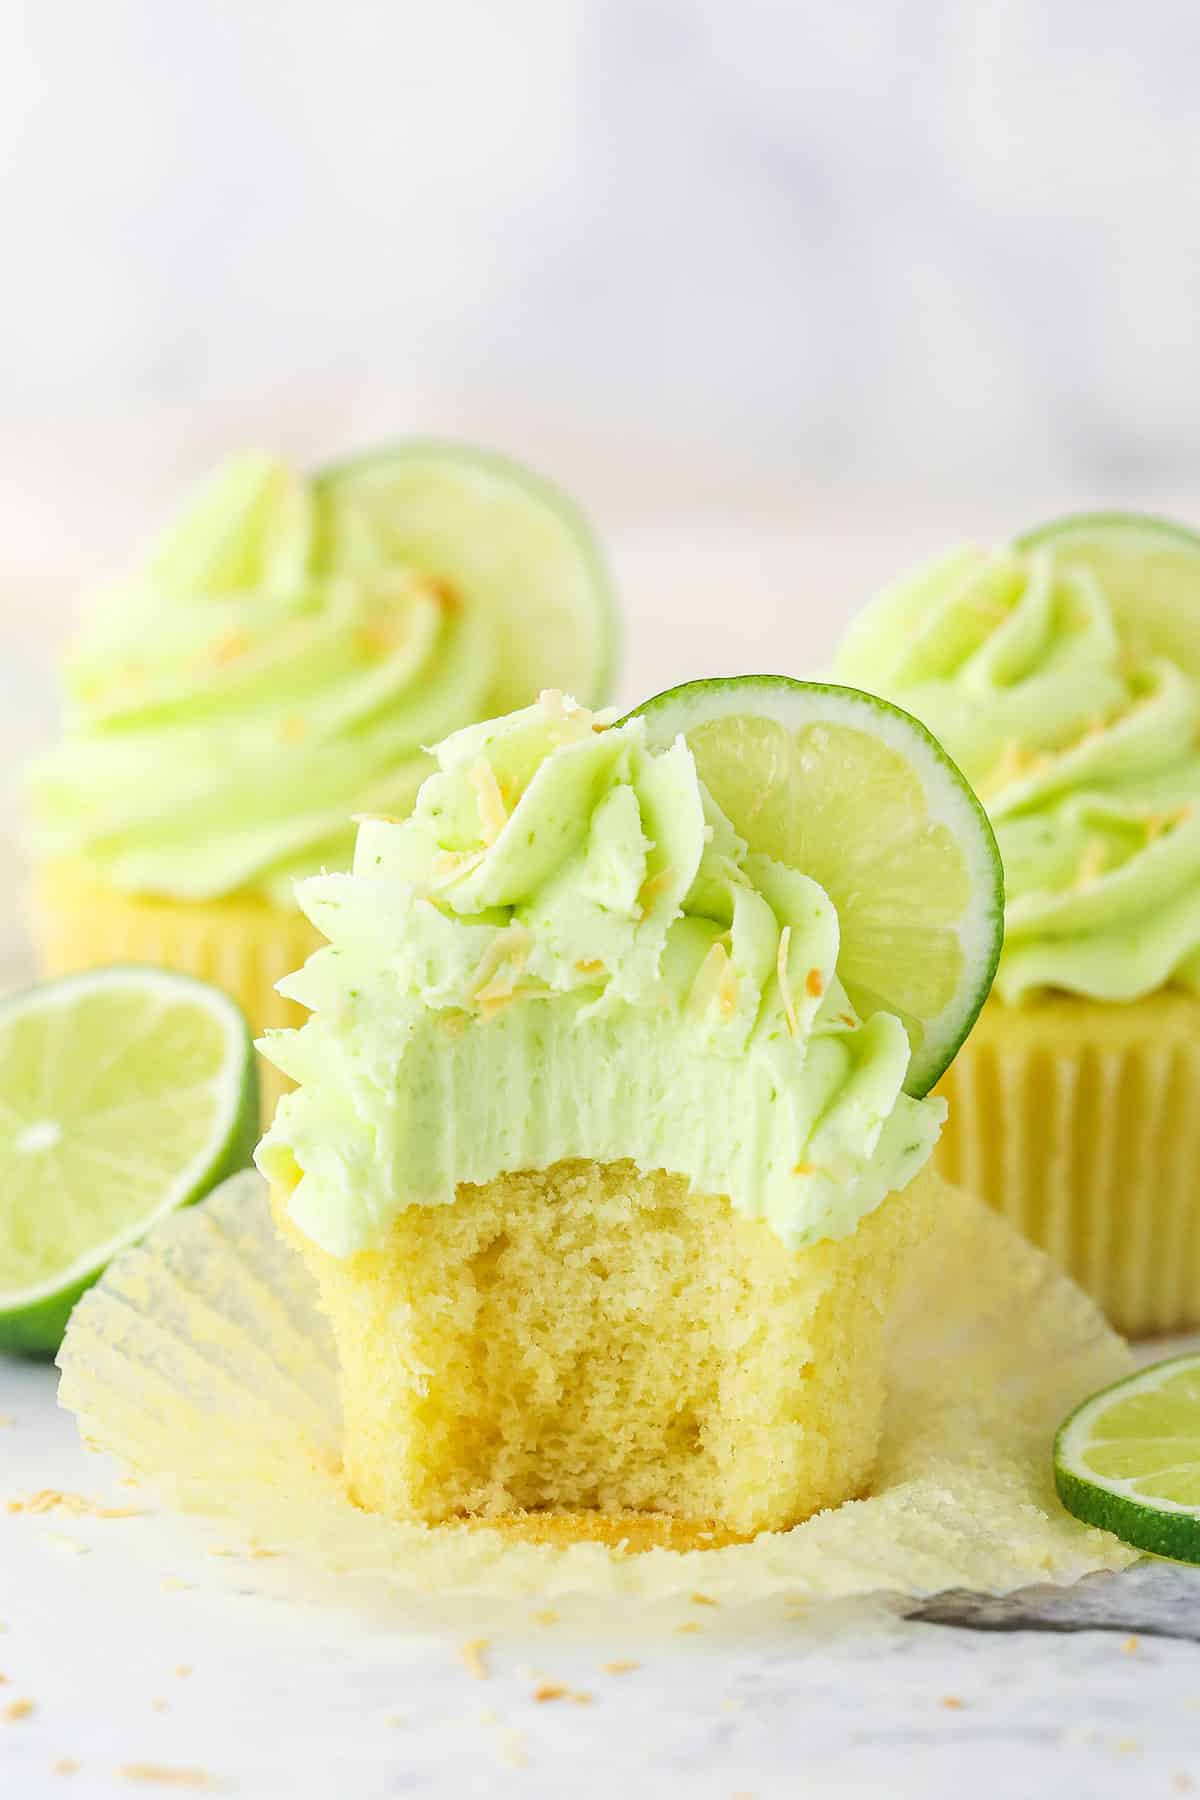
point(1145, 1430)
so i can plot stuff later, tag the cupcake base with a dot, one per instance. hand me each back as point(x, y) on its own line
point(201, 1362)
point(590, 1343)
point(242, 944)
point(1080, 1122)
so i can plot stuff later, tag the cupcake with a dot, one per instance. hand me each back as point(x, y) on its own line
point(1062, 677)
point(275, 665)
point(605, 1183)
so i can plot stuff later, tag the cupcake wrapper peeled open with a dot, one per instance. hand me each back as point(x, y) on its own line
point(242, 945)
point(1080, 1122)
point(200, 1360)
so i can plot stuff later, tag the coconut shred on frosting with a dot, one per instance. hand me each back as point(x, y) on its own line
point(234, 702)
point(1083, 750)
point(566, 951)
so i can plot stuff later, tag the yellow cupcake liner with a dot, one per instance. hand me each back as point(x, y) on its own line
point(1080, 1122)
point(243, 945)
point(202, 1362)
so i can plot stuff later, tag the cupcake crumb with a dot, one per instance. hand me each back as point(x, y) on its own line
point(546, 1617)
point(18, 1709)
point(684, 1630)
point(472, 1654)
point(1132, 1644)
point(620, 1667)
point(952, 1702)
point(704, 1600)
point(66, 1765)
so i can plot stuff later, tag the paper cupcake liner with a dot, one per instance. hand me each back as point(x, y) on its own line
point(244, 946)
point(1081, 1124)
point(201, 1362)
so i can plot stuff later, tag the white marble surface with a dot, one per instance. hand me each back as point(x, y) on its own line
point(294, 1689)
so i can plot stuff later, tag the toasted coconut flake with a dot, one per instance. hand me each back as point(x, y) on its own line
point(472, 1654)
point(450, 864)
point(509, 947)
point(621, 1666)
point(163, 1775)
point(489, 801)
point(652, 887)
point(785, 988)
point(727, 991)
point(814, 984)
point(230, 648)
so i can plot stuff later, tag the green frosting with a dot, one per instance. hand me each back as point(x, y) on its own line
point(567, 951)
point(1083, 751)
point(232, 704)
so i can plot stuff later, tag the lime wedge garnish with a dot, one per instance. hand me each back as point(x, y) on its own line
point(124, 1093)
point(858, 795)
point(498, 537)
point(1129, 1459)
point(1149, 570)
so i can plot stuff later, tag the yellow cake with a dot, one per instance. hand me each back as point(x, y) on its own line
point(591, 1339)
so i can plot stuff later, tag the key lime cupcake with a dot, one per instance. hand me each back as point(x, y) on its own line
point(275, 665)
point(606, 1182)
point(1063, 677)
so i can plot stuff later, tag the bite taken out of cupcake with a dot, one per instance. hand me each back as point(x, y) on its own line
point(274, 665)
point(606, 1181)
point(1063, 675)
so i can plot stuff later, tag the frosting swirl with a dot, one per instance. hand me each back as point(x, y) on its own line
point(234, 702)
point(1083, 751)
point(567, 951)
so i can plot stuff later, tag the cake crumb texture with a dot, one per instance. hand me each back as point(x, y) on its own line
point(594, 1338)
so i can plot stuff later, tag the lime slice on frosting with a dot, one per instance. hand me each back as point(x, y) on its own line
point(1149, 570)
point(1129, 1459)
point(124, 1093)
point(863, 799)
point(501, 539)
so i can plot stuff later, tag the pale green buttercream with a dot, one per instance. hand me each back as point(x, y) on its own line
point(232, 704)
point(1084, 753)
point(567, 951)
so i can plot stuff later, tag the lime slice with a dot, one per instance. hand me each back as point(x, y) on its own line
point(1149, 568)
point(857, 794)
point(500, 537)
point(124, 1092)
point(1129, 1459)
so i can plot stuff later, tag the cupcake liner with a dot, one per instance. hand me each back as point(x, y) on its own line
point(201, 1362)
point(1081, 1124)
point(242, 945)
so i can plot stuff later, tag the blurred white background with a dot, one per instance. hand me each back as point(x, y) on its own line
point(789, 294)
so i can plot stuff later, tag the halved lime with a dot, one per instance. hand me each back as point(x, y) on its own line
point(1149, 569)
point(1129, 1459)
point(124, 1093)
point(498, 537)
point(857, 794)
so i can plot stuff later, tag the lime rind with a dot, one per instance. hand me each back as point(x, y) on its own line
point(531, 488)
point(949, 800)
point(1116, 1503)
point(32, 1319)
